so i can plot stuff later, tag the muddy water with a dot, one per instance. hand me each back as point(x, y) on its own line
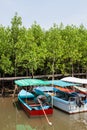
point(12, 115)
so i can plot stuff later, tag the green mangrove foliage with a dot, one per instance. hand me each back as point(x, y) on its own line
point(36, 51)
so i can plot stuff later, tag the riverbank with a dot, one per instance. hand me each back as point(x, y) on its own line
point(7, 92)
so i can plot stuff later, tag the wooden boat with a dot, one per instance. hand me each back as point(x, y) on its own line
point(33, 105)
point(68, 102)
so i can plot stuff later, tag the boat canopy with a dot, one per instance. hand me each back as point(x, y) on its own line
point(75, 80)
point(30, 82)
point(62, 83)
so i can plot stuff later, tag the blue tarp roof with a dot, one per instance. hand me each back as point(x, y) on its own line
point(61, 83)
point(30, 82)
point(37, 82)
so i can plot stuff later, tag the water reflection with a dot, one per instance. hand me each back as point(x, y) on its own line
point(79, 121)
point(11, 115)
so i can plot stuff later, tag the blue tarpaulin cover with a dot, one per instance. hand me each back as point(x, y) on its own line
point(30, 82)
point(61, 83)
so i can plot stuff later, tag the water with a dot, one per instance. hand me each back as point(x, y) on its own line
point(11, 115)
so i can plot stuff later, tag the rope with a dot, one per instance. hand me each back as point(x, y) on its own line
point(50, 123)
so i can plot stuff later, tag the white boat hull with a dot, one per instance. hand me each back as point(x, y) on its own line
point(68, 106)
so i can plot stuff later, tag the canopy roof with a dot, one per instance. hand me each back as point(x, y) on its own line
point(75, 80)
point(30, 82)
point(61, 83)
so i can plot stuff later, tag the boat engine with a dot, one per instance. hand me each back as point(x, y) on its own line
point(43, 99)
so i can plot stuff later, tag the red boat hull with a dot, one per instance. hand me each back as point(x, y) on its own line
point(34, 113)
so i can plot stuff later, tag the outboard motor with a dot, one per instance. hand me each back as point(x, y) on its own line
point(79, 101)
point(42, 99)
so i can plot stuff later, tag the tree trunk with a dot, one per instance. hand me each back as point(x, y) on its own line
point(15, 69)
point(3, 88)
point(72, 70)
point(32, 73)
point(27, 72)
point(53, 71)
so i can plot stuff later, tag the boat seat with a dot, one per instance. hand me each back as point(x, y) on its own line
point(34, 105)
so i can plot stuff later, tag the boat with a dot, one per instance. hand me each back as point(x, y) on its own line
point(34, 103)
point(75, 80)
point(82, 83)
point(71, 103)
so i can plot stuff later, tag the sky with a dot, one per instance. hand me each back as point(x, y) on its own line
point(44, 12)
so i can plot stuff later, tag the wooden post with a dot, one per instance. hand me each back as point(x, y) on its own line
point(3, 91)
point(15, 89)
